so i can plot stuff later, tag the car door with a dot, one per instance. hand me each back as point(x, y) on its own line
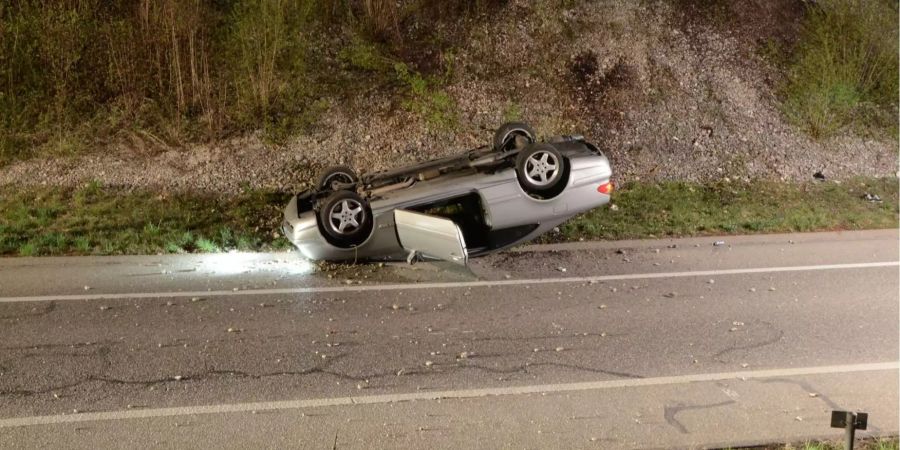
point(431, 236)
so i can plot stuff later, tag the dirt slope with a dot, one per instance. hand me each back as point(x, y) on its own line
point(669, 89)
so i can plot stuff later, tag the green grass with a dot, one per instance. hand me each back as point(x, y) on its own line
point(844, 72)
point(885, 443)
point(421, 94)
point(889, 443)
point(892, 443)
point(98, 220)
point(425, 97)
point(689, 209)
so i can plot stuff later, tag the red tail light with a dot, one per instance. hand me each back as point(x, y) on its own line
point(605, 188)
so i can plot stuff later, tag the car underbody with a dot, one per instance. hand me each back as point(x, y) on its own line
point(470, 204)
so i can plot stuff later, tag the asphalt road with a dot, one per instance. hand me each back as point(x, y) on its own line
point(664, 343)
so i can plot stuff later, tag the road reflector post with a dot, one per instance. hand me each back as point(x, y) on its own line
point(850, 422)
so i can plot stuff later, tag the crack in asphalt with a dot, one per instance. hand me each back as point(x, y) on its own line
point(525, 369)
point(543, 336)
point(321, 370)
point(35, 312)
point(669, 412)
point(52, 346)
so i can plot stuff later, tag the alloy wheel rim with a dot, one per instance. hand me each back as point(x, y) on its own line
point(336, 179)
point(541, 168)
point(346, 216)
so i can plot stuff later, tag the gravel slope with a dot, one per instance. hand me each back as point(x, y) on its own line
point(669, 93)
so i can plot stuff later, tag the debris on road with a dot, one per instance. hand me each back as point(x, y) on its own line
point(718, 243)
point(670, 295)
point(104, 308)
point(819, 175)
point(561, 269)
point(196, 299)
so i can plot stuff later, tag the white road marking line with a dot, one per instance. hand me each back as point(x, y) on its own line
point(457, 394)
point(443, 285)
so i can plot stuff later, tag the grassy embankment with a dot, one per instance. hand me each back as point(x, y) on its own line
point(843, 75)
point(890, 443)
point(80, 74)
point(77, 75)
point(97, 220)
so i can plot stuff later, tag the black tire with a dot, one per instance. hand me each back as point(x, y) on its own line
point(345, 219)
point(505, 136)
point(336, 174)
point(541, 169)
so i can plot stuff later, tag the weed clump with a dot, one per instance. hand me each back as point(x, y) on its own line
point(845, 69)
point(426, 99)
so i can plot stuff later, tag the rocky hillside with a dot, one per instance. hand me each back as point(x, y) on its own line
point(682, 89)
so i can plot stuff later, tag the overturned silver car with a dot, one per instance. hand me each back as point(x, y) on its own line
point(453, 208)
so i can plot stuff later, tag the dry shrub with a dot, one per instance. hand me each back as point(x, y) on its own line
point(845, 71)
point(160, 50)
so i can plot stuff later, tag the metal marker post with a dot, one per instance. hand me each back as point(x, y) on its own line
point(850, 422)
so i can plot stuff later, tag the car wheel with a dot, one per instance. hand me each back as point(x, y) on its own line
point(345, 218)
point(540, 169)
point(513, 134)
point(334, 176)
